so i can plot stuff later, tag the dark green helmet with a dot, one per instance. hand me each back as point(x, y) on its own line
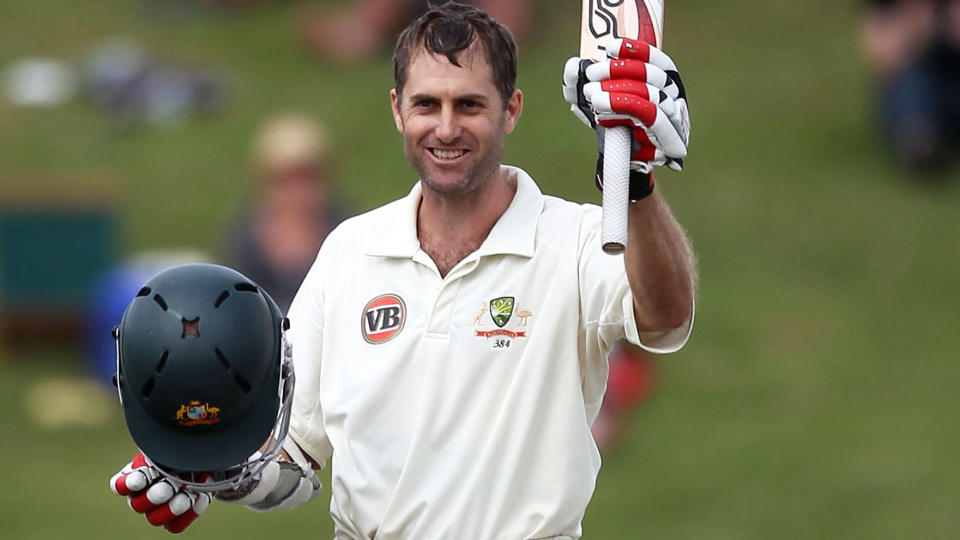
point(203, 370)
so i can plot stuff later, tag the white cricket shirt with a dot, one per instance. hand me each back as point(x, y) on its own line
point(460, 407)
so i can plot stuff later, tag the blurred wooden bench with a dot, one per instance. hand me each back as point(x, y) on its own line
point(53, 246)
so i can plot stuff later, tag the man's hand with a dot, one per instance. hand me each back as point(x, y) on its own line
point(283, 484)
point(639, 87)
point(161, 501)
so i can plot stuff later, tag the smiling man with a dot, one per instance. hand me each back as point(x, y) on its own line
point(453, 119)
point(450, 347)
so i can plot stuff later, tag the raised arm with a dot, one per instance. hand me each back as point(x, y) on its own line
point(639, 88)
point(660, 266)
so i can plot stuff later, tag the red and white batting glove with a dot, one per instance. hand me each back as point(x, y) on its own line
point(637, 87)
point(161, 501)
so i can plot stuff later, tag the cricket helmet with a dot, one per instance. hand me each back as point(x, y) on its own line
point(204, 373)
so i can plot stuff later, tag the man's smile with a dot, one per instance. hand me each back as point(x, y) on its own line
point(445, 153)
point(447, 156)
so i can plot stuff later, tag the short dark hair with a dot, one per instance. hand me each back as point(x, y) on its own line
point(451, 28)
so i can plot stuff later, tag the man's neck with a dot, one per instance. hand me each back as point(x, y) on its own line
point(450, 227)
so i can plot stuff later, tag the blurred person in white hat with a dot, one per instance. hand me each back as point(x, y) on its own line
point(275, 240)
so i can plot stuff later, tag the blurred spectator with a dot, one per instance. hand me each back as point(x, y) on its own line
point(275, 241)
point(130, 86)
point(39, 82)
point(913, 49)
point(112, 292)
point(367, 26)
point(630, 382)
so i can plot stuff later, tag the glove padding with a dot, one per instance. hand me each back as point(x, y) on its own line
point(161, 501)
point(638, 87)
point(281, 485)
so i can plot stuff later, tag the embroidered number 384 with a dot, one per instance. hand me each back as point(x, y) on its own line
point(509, 322)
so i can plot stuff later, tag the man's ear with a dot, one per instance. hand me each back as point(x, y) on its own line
point(514, 107)
point(395, 105)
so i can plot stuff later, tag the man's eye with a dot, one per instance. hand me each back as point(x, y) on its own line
point(470, 104)
point(423, 104)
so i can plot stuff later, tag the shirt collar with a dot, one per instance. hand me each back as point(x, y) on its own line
point(398, 237)
point(514, 233)
point(516, 230)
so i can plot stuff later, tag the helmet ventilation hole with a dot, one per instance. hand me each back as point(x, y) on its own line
point(160, 301)
point(148, 388)
point(222, 359)
point(237, 378)
point(246, 287)
point(190, 328)
point(223, 296)
point(163, 361)
point(143, 292)
point(242, 383)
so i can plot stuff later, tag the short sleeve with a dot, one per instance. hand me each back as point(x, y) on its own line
point(306, 338)
point(606, 299)
point(656, 342)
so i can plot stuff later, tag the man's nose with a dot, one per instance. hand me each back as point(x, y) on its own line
point(448, 125)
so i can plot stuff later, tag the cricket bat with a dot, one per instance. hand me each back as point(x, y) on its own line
point(600, 21)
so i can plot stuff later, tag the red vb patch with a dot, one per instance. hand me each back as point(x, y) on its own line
point(383, 318)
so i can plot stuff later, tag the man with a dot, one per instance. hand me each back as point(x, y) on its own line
point(913, 49)
point(460, 406)
point(275, 239)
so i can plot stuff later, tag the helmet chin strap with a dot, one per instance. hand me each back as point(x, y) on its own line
point(233, 477)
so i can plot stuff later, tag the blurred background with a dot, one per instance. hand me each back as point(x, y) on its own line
point(814, 398)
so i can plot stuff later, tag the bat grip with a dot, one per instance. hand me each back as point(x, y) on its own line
point(616, 189)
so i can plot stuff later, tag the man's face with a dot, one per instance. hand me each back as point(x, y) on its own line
point(453, 120)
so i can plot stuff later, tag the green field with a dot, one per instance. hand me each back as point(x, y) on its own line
point(813, 399)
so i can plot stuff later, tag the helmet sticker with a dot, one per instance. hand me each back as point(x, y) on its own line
point(382, 319)
point(196, 413)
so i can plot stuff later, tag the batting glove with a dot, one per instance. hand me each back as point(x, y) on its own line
point(281, 485)
point(637, 87)
point(161, 501)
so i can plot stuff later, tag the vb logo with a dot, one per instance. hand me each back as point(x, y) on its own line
point(383, 318)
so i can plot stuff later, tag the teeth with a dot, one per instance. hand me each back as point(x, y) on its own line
point(447, 154)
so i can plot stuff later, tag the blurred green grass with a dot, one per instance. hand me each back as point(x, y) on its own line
point(814, 398)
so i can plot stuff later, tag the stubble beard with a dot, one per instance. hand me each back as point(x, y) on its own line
point(475, 177)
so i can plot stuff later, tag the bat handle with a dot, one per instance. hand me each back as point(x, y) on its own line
point(616, 189)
